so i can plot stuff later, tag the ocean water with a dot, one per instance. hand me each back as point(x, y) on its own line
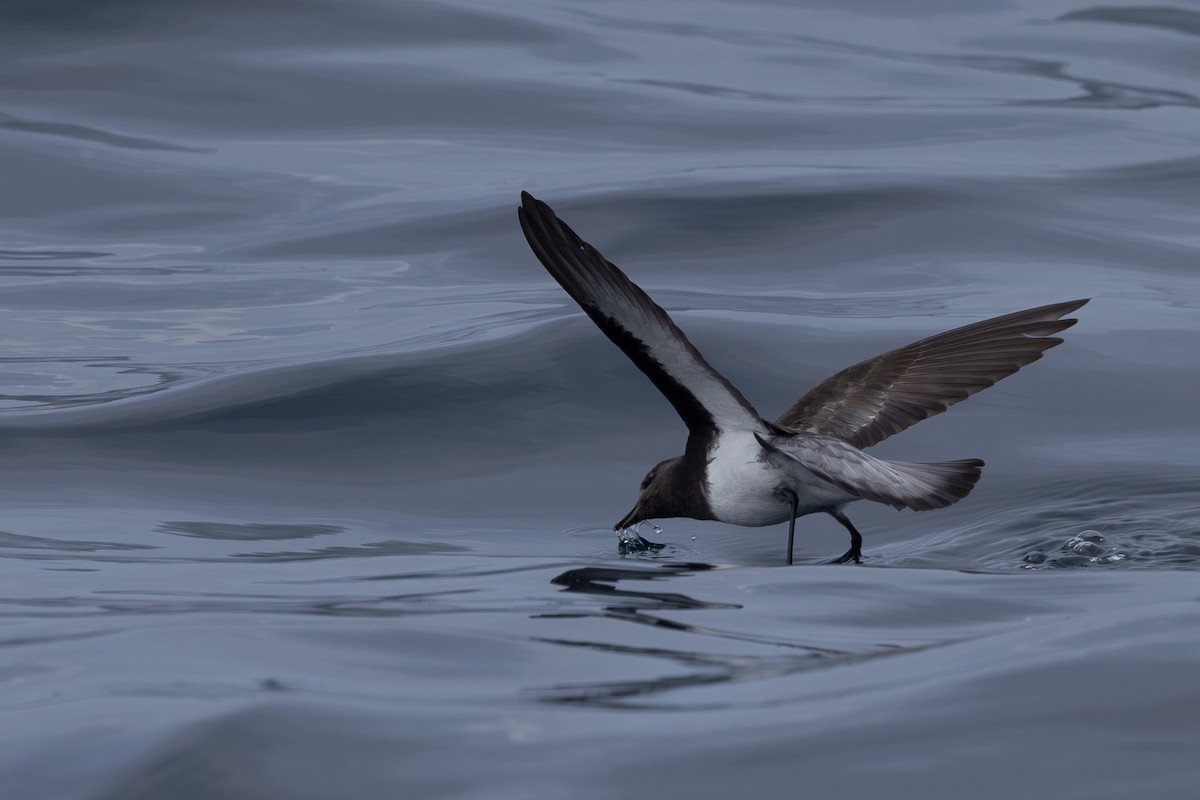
point(309, 469)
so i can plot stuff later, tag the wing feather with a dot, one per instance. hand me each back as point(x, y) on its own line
point(870, 401)
point(636, 324)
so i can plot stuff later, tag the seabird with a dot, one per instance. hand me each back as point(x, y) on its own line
point(741, 469)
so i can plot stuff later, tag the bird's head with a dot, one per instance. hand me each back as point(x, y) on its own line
point(658, 497)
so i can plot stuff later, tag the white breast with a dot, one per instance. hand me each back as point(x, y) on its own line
point(743, 486)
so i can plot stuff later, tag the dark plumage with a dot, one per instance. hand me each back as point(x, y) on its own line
point(741, 469)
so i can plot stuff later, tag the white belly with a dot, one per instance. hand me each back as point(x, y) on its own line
point(744, 488)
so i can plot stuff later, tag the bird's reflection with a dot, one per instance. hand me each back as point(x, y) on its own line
point(602, 581)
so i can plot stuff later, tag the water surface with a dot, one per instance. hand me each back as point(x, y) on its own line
point(309, 467)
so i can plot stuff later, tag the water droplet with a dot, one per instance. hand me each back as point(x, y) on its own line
point(1087, 548)
point(1088, 543)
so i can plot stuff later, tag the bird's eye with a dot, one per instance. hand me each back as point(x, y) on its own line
point(649, 477)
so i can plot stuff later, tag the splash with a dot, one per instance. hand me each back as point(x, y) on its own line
point(630, 540)
point(1086, 549)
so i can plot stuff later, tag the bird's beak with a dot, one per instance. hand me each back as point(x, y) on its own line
point(630, 519)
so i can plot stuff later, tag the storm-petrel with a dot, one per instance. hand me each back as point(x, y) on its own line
point(741, 469)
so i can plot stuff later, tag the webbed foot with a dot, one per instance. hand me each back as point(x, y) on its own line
point(853, 554)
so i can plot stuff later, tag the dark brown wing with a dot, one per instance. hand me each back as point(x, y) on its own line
point(643, 331)
point(869, 402)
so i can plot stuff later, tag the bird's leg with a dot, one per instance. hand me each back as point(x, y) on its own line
point(855, 552)
point(795, 501)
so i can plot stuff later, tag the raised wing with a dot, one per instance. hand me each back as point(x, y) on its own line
point(870, 401)
point(643, 331)
point(899, 484)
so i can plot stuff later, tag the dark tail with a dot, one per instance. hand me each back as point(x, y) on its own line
point(929, 486)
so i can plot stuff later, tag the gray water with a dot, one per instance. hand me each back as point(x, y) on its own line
point(309, 468)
